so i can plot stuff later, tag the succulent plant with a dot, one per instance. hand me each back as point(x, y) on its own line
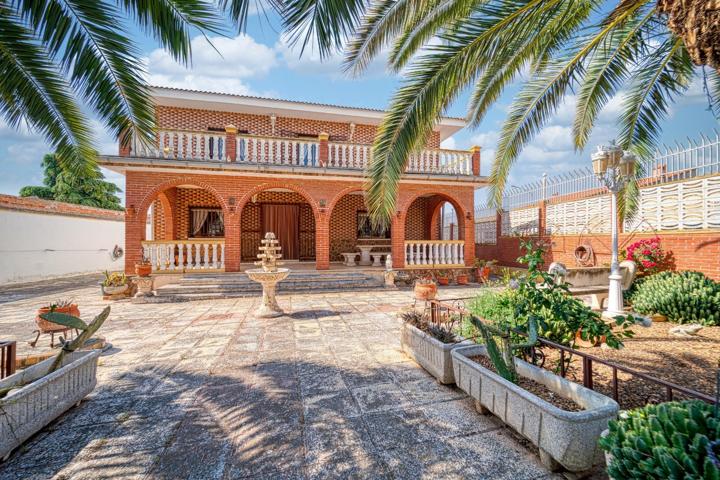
point(670, 440)
point(684, 297)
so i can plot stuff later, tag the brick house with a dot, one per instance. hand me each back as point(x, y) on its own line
point(228, 168)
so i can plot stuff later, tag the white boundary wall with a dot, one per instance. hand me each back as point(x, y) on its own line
point(34, 246)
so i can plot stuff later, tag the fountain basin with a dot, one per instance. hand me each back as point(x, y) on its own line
point(268, 279)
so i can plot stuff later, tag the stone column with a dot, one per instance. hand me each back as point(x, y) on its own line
point(230, 142)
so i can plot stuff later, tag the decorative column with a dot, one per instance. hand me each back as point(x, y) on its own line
point(475, 150)
point(323, 149)
point(231, 142)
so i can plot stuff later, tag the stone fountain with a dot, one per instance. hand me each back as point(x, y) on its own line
point(269, 275)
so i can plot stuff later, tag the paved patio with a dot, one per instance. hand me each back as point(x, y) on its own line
point(205, 390)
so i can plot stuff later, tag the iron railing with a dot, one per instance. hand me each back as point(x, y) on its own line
point(8, 353)
point(440, 310)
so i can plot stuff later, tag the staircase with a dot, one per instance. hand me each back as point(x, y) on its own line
point(229, 285)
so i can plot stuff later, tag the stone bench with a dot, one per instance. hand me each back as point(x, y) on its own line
point(593, 282)
point(349, 258)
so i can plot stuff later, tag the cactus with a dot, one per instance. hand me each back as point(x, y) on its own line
point(669, 440)
point(684, 297)
point(502, 357)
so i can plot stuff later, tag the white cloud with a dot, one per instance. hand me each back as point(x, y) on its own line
point(222, 66)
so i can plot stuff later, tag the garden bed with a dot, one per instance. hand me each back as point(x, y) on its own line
point(688, 362)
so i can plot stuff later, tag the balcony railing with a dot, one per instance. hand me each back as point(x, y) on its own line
point(434, 253)
point(255, 150)
point(176, 256)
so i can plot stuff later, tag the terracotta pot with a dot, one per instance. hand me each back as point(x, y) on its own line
point(462, 279)
point(658, 317)
point(143, 269)
point(425, 291)
point(443, 281)
point(45, 326)
point(482, 273)
point(586, 343)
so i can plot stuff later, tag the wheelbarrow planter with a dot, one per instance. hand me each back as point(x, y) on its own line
point(429, 352)
point(567, 439)
point(25, 411)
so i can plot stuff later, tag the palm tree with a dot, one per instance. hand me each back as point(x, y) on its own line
point(60, 59)
point(590, 48)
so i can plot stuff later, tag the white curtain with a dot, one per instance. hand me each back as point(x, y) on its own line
point(199, 217)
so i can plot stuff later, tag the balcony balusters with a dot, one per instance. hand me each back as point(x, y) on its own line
point(177, 256)
point(435, 253)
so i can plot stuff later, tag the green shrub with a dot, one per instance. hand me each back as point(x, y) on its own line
point(672, 440)
point(494, 306)
point(684, 297)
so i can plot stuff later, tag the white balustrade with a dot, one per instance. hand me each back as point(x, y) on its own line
point(250, 149)
point(185, 255)
point(434, 253)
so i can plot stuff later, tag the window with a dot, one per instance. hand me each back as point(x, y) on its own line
point(206, 222)
point(365, 228)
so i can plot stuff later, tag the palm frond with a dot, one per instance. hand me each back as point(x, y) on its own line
point(33, 92)
point(327, 23)
point(663, 74)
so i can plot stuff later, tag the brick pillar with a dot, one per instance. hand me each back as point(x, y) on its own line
point(230, 142)
point(469, 224)
point(322, 240)
point(475, 160)
point(397, 238)
point(323, 150)
point(124, 149)
point(498, 227)
point(232, 241)
point(134, 235)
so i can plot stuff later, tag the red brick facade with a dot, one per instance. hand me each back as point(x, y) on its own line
point(324, 199)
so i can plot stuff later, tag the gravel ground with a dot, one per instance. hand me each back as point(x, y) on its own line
point(688, 362)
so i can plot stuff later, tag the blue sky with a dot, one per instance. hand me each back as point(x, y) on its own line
point(260, 63)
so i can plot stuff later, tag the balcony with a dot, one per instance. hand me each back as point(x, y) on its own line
point(253, 150)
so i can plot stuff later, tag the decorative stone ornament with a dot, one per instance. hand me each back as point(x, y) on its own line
point(268, 275)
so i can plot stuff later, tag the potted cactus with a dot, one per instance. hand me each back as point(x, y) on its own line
point(32, 398)
point(45, 326)
point(144, 267)
point(443, 277)
point(115, 283)
point(565, 438)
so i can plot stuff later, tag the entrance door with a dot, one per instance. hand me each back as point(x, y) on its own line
point(284, 222)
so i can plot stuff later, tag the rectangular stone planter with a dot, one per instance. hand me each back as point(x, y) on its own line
point(27, 410)
point(568, 438)
point(432, 354)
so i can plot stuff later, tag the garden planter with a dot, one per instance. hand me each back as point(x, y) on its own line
point(462, 279)
point(425, 291)
point(568, 438)
point(46, 327)
point(28, 409)
point(143, 269)
point(120, 289)
point(443, 281)
point(432, 354)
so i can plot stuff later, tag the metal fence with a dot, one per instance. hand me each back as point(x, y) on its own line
point(698, 158)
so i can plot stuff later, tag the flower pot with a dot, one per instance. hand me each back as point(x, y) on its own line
point(34, 405)
point(46, 327)
point(116, 290)
point(429, 352)
point(568, 438)
point(482, 274)
point(462, 279)
point(425, 291)
point(443, 281)
point(143, 269)
point(658, 317)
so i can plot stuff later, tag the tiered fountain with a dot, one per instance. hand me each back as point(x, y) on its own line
point(269, 275)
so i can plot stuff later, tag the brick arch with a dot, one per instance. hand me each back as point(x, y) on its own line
point(457, 205)
point(340, 195)
point(157, 189)
point(295, 188)
point(168, 215)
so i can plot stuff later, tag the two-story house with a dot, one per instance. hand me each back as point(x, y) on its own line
point(228, 168)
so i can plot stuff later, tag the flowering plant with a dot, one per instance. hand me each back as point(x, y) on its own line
point(648, 254)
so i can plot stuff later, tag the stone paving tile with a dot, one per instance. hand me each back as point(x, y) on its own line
point(206, 390)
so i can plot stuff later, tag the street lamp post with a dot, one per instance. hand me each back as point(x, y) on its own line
point(614, 168)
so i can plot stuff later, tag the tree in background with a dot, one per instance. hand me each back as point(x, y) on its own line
point(63, 185)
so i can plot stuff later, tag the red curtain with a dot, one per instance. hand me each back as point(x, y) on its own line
point(283, 221)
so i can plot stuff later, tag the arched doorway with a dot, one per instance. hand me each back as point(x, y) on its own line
point(285, 212)
point(350, 227)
